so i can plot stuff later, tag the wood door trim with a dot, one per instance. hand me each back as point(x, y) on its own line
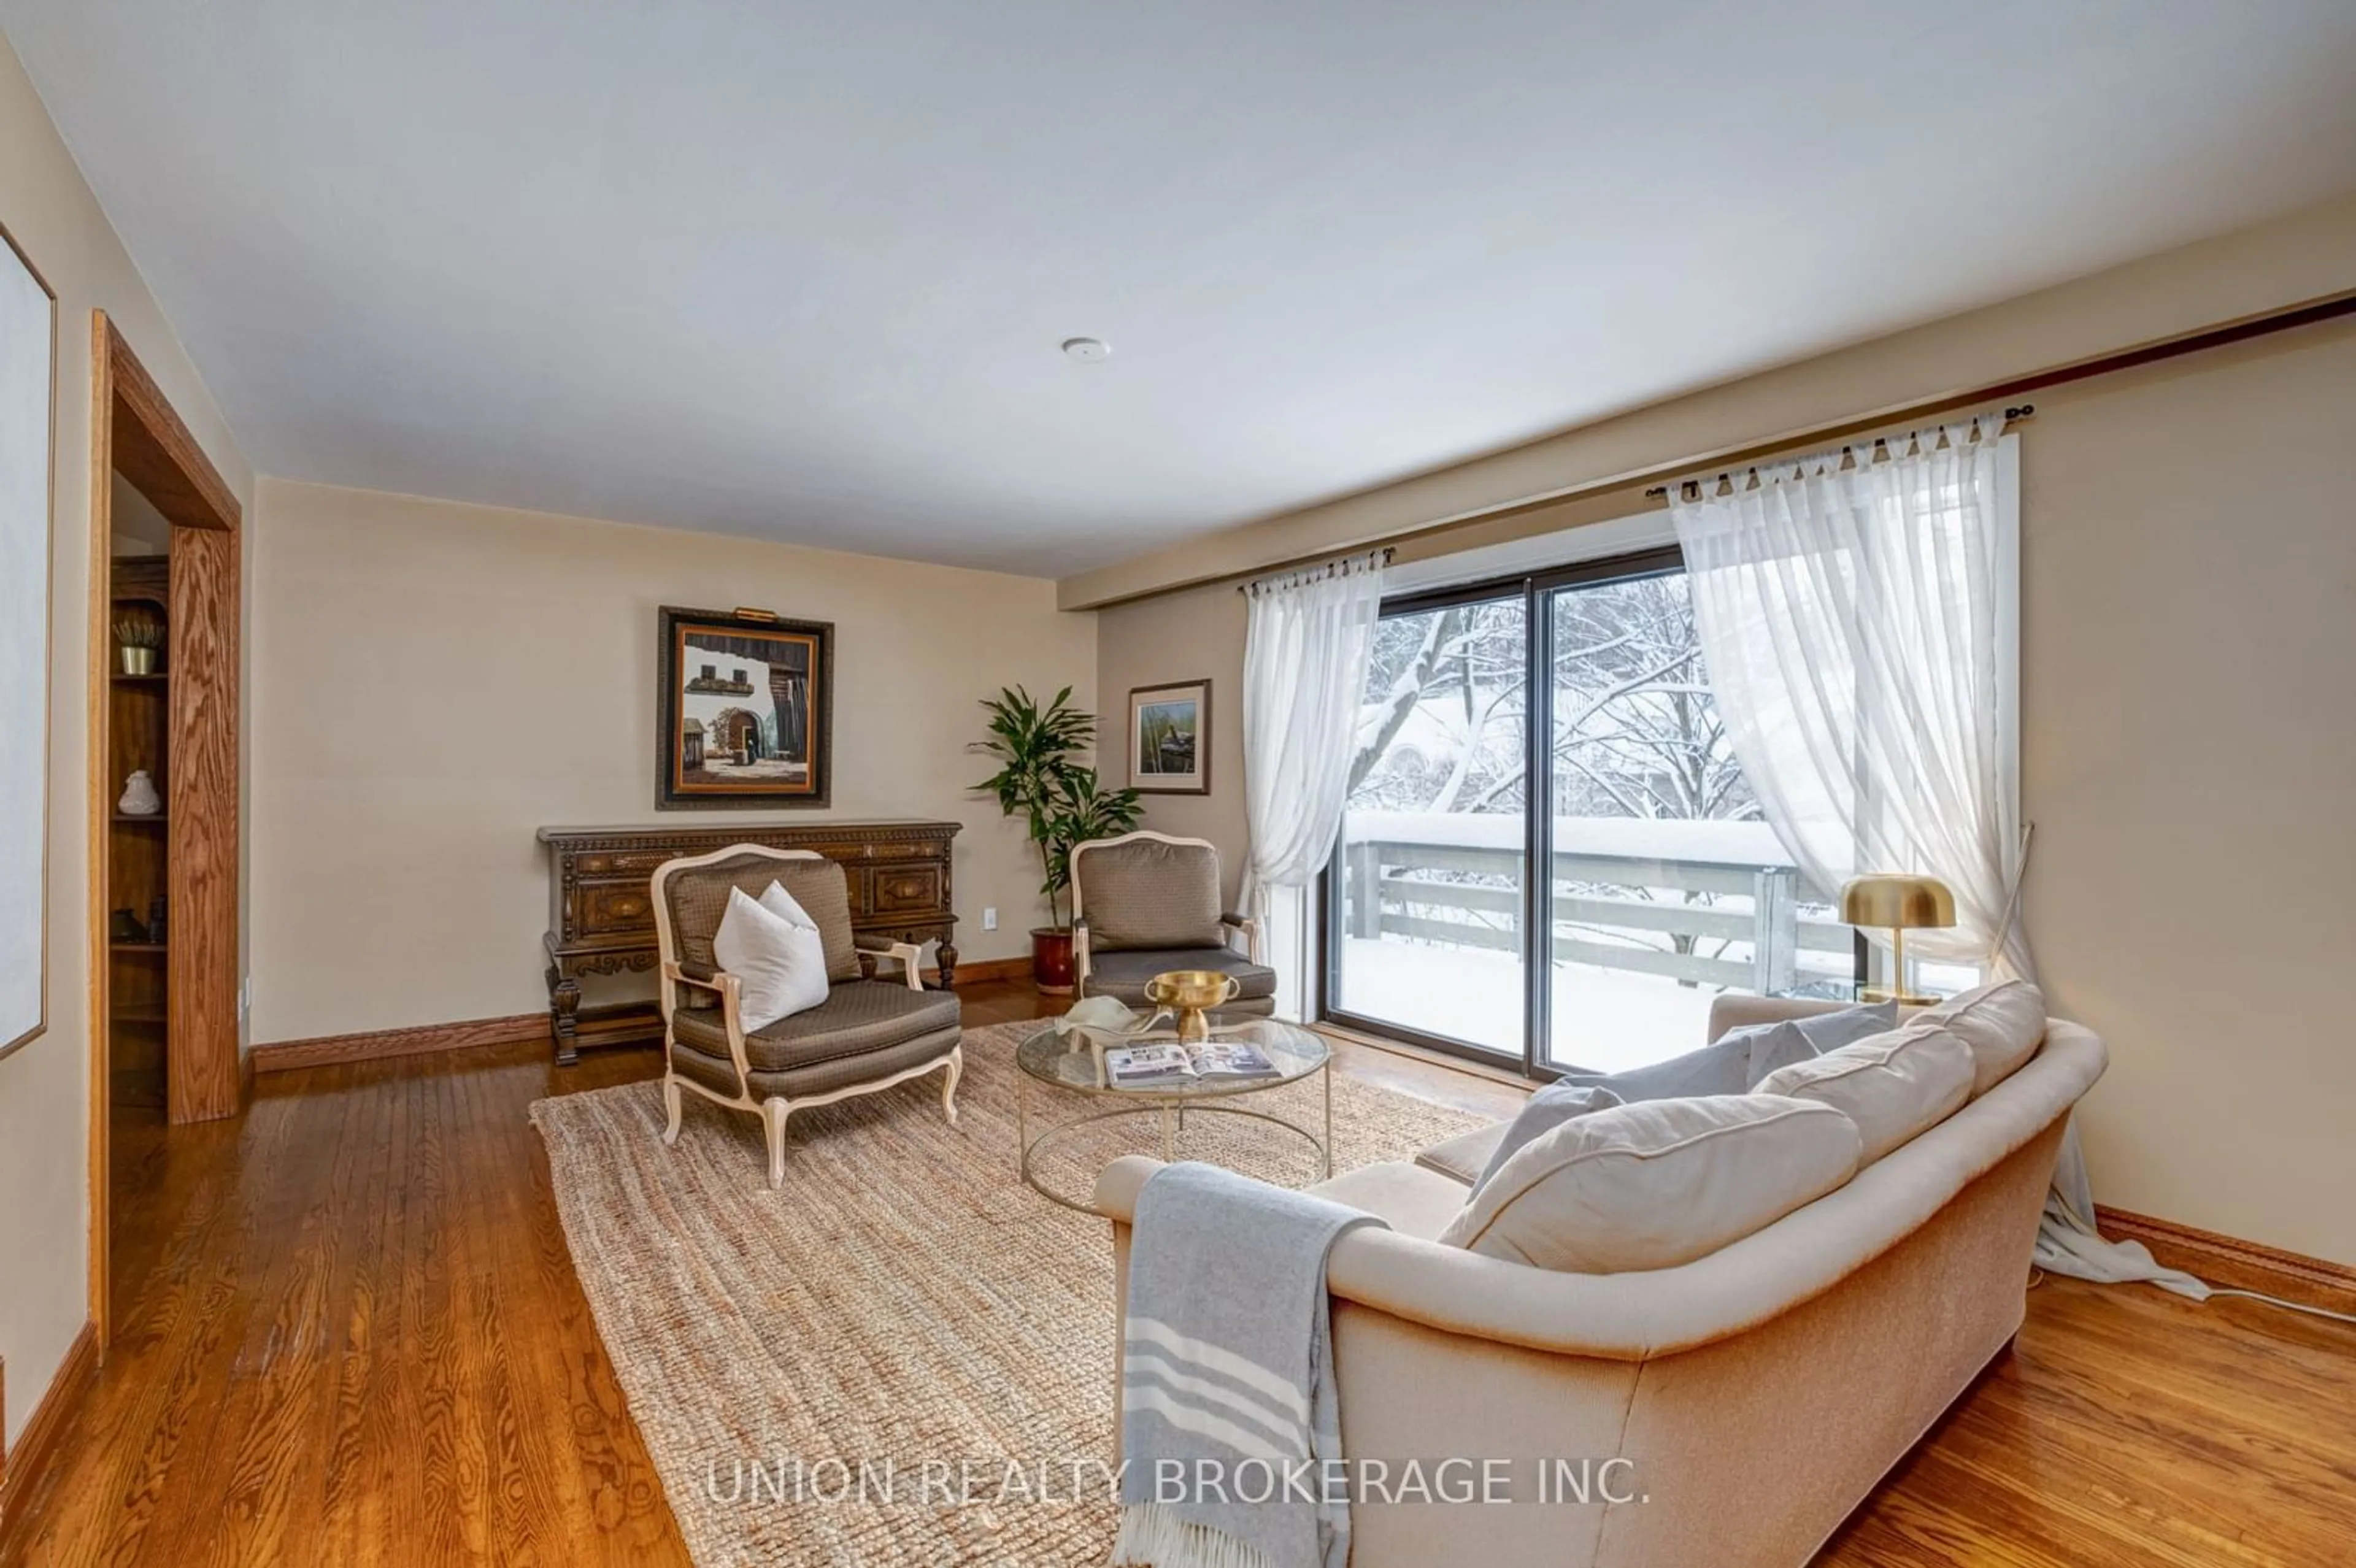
point(99, 725)
point(30, 1458)
point(155, 449)
point(136, 431)
point(202, 1082)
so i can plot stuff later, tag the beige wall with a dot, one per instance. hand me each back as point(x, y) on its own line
point(2189, 655)
point(45, 1086)
point(2307, 256)
point(1183, 637)
point(435, 682)
point(2188, 682)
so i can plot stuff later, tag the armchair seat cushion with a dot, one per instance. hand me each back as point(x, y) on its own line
point(718, 1074)
point(857, 1018)
point(1124, 975)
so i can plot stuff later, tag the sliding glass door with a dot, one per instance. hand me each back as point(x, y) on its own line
point(1425, 896)
point(1663, 887)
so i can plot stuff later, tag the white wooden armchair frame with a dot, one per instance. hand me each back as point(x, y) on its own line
point(773, 1109)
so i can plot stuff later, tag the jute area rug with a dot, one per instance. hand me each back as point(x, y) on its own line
point(905, 1357)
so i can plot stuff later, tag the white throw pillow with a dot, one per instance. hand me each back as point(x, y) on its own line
point(1893, 1085)
point(1656, 1184)
point(2004, 1023)
point(774, 949)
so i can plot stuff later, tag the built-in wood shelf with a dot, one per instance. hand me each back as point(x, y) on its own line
point(136, 816)
point(142, 1016)
point(136, 947)
point(153, 677)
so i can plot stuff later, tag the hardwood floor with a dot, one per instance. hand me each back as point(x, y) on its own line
point(349, 1334)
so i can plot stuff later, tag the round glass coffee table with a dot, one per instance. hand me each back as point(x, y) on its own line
point(1072, 1061)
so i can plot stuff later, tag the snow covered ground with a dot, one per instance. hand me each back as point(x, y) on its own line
point(1604, 1019)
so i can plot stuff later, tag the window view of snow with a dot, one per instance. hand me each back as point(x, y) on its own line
point(1666, 888)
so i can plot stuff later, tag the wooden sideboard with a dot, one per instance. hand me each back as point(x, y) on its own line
point(601, 916)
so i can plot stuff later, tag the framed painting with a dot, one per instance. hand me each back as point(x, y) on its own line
point(1170, 738)
point(27, 412)
point(747, 710)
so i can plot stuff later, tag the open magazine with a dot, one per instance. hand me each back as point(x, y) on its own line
point(1160, 1063)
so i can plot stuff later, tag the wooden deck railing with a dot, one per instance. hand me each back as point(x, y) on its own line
point(1643, 914)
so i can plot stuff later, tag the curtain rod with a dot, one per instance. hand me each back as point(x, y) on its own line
point(2223, 337)
point(1379, 555)
point(2012, 415)
point(2265, 326)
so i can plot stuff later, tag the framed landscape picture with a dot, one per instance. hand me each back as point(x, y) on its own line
point(1170, 738)
point(746, 709)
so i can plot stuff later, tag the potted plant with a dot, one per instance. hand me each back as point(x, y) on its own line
point(1040, 779)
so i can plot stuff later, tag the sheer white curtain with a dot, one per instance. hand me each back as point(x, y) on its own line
point(1858, 617)
point(1305, 654)
point(1859, 613)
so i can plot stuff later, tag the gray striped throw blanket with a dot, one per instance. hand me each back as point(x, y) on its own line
point(1230, 1428)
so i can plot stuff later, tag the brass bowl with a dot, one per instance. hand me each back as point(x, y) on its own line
point(1189, 993)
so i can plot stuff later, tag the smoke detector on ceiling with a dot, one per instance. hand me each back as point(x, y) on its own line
point(1086, 350)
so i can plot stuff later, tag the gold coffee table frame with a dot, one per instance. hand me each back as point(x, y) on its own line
point(1068, 1061)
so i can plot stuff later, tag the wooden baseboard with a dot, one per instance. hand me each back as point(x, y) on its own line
point(2234, 1263)
point(988, 970)
point(329, 1049)
point(286, 1055)
point(21, 1469)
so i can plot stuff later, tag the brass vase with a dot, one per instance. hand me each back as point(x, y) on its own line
point(1190, 994)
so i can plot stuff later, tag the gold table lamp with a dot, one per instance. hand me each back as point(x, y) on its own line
point(1898, 904)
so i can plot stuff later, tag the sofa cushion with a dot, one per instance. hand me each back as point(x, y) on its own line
point(1892, 1085)
point(1780, 1044)
point(1541, 1114)
point(2004, 1023)
point(1146, 893)
point(1656, 1184)
point(1738, 1059)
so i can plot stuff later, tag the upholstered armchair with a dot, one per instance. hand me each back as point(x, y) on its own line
point(869, 1034)
point(1145, 903)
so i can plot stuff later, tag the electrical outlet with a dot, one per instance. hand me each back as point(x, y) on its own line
point(990, 918)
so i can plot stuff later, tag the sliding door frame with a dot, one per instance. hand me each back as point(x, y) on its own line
point(1537, 591)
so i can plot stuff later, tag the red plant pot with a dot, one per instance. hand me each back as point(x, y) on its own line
point(1051, 961)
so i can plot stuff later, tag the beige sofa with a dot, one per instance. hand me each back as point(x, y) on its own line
point(1759, 1392)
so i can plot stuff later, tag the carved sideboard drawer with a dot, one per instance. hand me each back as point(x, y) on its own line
point(906, 890)
point(914, 849)
point(641, 863)
point(607, 908)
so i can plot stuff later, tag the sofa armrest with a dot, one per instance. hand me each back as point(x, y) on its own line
point(1633, 1317)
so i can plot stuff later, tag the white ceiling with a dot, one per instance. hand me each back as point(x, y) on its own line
point(800, 270)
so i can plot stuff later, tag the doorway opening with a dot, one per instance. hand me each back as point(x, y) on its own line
point(163, 802)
